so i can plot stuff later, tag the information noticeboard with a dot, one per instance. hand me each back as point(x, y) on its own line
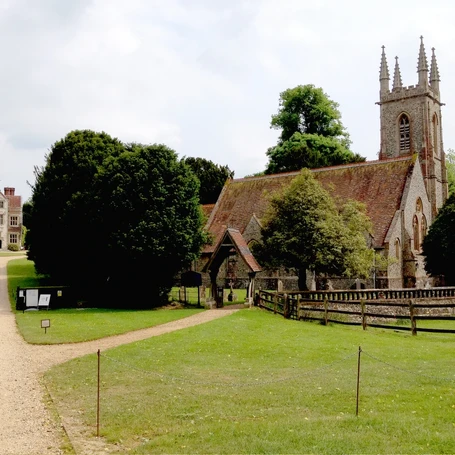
point(44, 300)
point(31, 298)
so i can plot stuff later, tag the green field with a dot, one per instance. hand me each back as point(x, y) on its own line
point(76, 325)
point(254, 382)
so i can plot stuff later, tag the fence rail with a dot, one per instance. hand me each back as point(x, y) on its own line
point(372, 308)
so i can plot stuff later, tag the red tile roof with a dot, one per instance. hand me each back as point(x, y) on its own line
point(378, 184)
point(233, 238)
point(207, 209)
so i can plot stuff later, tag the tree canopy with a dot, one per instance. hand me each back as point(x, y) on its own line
point(304, 230)
point(312, 134)
point(119, 219)
point(212, 178)
point(439, 244)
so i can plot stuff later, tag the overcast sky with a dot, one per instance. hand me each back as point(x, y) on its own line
point(202, 76)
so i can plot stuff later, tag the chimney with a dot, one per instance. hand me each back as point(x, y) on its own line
point(9, 191)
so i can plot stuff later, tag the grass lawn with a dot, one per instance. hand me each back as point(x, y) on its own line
point(75, 325)
point(11, 253)
point(255, 383)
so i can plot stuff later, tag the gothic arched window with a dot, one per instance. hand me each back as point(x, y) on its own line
point(435, 134)
point(424, 227)
point(405, 133)
point(416, 232)
point(419, 205)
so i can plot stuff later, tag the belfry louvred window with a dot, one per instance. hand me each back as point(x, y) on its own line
point(405, 136)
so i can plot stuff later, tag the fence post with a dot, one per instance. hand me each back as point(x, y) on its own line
point(358, 383)
point(412, 316)
point(326, 311)
point(98, 397)
point(364, 320)
point(286, 312)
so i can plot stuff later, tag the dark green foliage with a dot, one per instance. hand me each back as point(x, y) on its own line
point(308, 151)
point(65, 223)
point(109, 218)
point(151, 202)
point(304, 230)
point(439, 244)
point(312, 134)
point(211, 176)
point(26, 210)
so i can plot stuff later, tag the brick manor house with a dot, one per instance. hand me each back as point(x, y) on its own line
point(10, 219)
point(402, 191)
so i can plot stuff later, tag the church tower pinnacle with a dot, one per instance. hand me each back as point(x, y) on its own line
point(397, 84)
point(384, 73)
point(422, 66)
point(434, 73)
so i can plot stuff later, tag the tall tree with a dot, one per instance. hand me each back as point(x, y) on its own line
point(212, 177)
point(65, 223)
point(439, 244)
point(152, 218)
point(312, 134)
point(304, 230)
point(116, 221)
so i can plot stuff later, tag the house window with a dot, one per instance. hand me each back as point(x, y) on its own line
point(405, 136)
point(13, 220)
point(1, 204)
point(13, 238)
point(1, 219)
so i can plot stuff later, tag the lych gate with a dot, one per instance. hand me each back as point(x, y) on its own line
point(231, 243)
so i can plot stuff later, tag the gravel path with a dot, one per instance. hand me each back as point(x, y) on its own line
point(27, 426)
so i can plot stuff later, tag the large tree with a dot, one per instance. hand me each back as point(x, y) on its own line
point(305, 230)
point(212, 177)
point(439, 244)
point(114, 220)
point(64, 222)
point(153, 220)
point(312, 134)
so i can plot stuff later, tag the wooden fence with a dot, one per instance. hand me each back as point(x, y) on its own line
point(368, 308)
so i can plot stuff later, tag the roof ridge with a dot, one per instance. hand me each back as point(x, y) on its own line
point(338, 166)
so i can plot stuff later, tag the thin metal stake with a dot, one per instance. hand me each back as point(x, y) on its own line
point(358, 383)
point(98, 398)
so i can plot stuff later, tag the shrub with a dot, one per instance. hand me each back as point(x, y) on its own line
point(13, 247)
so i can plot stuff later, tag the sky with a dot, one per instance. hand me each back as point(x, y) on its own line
point(202, 76)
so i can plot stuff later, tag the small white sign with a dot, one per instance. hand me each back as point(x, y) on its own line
point(21, 293)
point(45, 323)
point(44, 300)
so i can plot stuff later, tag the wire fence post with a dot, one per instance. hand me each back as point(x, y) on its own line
point(98, 397)
point(358, 383)
point(412, 316)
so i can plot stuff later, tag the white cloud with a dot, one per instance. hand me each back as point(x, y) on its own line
point(204, 76)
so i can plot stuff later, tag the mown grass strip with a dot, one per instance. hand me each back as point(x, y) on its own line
point(254, 382)
point(76, 325)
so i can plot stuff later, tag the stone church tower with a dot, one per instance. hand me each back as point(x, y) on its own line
point(411, 123)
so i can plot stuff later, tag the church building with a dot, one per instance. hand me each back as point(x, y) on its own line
point(402, 191)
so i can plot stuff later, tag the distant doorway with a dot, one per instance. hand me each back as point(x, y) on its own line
point(0, 244)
